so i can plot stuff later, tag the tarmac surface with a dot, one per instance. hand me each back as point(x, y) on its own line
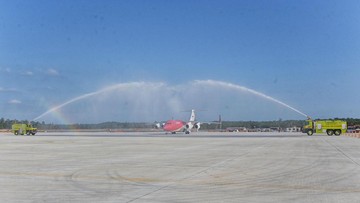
point(200, 167)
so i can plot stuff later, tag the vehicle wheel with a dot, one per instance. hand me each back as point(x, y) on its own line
point(16, 132)
point(337, 132)
point(187, 132)
point(330, 132)
point(310, 132)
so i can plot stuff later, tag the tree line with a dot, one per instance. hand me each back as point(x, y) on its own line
point(6, 124)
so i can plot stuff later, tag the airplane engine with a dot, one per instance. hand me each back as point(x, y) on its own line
point(189, 126)
point(159, 125)
point(197, 126)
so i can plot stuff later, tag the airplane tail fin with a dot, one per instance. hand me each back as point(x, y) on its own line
point(192, 116)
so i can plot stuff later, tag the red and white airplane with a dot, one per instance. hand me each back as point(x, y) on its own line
point(174, 126)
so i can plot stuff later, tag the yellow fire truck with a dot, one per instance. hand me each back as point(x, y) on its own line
point(329, 127)
point(23, 129)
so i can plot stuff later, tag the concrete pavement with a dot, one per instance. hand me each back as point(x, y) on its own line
point(202, 167)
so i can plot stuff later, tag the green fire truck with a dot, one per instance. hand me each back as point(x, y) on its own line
point(329, 127)
point(23, 129)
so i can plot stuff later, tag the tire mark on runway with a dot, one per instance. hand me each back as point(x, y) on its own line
point(266, 179)
point(341, 152)
point(262, 175)
point(301, 173)
point(202, 171)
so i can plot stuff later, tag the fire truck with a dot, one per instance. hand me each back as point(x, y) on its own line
point(329, 127)
point(23, 129)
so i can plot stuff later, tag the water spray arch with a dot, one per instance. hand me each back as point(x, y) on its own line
point(245, 89)
point(98, 92)
point(170, 93)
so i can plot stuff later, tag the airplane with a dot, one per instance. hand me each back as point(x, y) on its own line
point(174, 126)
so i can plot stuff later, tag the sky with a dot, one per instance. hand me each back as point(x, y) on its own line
point(305, 54)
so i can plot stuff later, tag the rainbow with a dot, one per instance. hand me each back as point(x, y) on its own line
point(56, 110)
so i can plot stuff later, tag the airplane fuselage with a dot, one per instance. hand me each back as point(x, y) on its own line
point(174, 126)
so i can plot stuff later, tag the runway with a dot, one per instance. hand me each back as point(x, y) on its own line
point(201, 167)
